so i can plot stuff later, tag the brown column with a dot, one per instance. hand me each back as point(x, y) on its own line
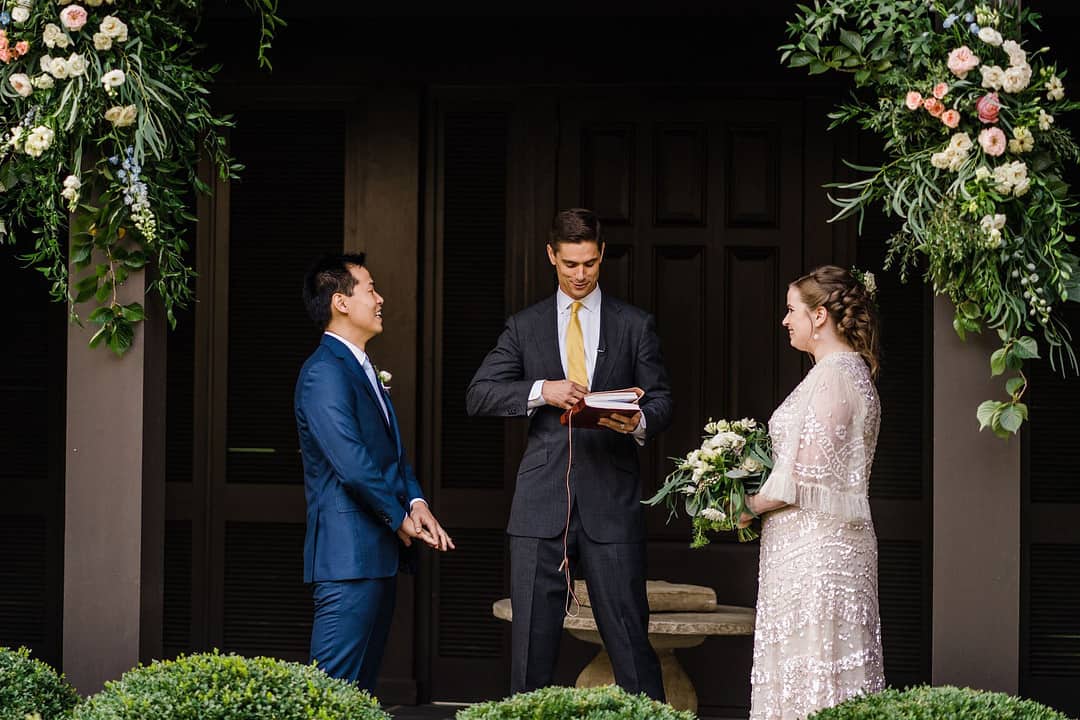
point(976, 587)
point(382, 218)
point(114, 502)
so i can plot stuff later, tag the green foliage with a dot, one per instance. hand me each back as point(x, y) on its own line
point(562, 703)
point(109, 121)
point(214, 686)
point(28, 685)
point(988, 226)
point(938, 703)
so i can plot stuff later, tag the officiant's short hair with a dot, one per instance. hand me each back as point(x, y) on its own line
point(574, 226)
point(329, 274)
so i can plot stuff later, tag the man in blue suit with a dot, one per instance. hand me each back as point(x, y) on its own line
point(364, 504)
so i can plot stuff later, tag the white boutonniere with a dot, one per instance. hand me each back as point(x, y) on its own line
point(384, 379)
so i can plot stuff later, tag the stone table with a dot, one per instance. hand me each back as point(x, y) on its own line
point(680, 616)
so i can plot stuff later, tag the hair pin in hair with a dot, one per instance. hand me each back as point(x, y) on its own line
point(866, 279)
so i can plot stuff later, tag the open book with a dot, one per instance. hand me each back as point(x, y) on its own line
point(596, 405)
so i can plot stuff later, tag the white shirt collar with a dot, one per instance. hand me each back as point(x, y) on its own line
point(361, 356)
point(590, 301)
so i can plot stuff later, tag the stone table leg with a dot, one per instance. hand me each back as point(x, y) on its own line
point(678, 688)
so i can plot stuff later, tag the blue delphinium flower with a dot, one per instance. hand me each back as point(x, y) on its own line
point(969, 17)
point(974, 29)
point(950, 20)
point(5, 18)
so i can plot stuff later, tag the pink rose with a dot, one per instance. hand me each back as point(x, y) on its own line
point(73, 17)
point(913, 100)
point(962, 61)
point(993, 141)
point(951, 118)
point(941, 90)
point(934, 106)
point(988, 107)
point(22, 47)
point(5, 55)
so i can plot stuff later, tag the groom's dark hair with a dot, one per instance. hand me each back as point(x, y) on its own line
point(329, 274)
point(575, 225)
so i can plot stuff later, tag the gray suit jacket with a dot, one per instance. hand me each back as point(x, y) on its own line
point(604, 479)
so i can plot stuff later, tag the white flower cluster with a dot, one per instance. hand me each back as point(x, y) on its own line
point(71, 191)
point(61, 69)
point(38, 141)
point(111, 30)
point(1010, 178)
point(1022, 141)
point(1015, 78)
point(740, 426)
point(121, 115)
point(112, 80)
point(992, 225)
point(1055, 89)
point(713, 514)
point(53, 36)
point(1045, 120)
point(953, 157)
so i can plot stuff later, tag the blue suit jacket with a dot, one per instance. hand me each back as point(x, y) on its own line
point(357, 480)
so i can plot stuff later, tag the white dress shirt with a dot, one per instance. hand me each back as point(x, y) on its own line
point(589, 318)
point(369, 370)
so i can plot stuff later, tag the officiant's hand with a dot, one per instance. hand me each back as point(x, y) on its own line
point(624, 424)
point(433, 533)
point(562, 394)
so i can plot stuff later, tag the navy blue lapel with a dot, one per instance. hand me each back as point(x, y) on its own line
point(546, 336)
point(611, 332)
point(339, 349)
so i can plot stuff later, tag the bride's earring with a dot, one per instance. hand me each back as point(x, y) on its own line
point(817, 336)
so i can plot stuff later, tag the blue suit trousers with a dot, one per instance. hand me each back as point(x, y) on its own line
point(352, 622)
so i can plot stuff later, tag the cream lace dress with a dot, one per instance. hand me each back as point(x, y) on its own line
point(818, 639)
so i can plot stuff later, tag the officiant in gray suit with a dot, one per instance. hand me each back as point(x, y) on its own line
point(586, 508)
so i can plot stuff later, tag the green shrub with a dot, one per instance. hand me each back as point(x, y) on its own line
point(216, 686)
point(562, 703)
point(938, 703)
point(28, 685)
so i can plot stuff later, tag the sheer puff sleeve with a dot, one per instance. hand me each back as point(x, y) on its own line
point(821, 464)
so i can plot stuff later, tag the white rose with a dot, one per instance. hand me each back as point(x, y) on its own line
point(870, 282)
point(1003, 179)
point(102, 41)
point(72, 181)
point(38, 141)
point(43, 81)
point(49, 35)
point(114, 28)
point(21, 83)
point(990, 36)
point(46, 63)
point(1045, 120)
point(752, 465)
point(992, 77)
point(1016, 54)
point(20, 14)
point(76, 64)
point(113, 79)
point(59, 69)
point(1016, 78)
point(956, 160)
point(1021, 187)
point(940, 160)
point(960, 142)
point(993, 239)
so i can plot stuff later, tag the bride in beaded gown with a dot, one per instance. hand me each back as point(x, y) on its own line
point(817, 639)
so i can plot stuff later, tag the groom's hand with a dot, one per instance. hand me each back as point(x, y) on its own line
point(409, 530)
point(562, 394)
point(433, 533)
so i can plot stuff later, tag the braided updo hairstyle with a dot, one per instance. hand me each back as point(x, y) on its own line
point(850, 306)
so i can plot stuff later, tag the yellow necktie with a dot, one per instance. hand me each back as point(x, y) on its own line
point(575, 349)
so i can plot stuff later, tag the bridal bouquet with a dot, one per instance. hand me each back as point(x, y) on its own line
point(713, 481)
